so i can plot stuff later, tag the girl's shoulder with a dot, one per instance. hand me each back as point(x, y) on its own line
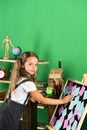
point(22, 80)
point(25, 81)
point(27, 85)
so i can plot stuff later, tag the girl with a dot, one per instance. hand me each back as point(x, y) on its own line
point(22, 86)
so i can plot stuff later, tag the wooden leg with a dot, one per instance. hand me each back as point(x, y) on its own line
point(30, 116)
point(51, 109)
point(50, 128)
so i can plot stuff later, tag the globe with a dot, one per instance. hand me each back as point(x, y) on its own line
point(16, 51)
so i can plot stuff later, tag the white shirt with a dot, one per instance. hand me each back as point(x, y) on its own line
point(20, 93)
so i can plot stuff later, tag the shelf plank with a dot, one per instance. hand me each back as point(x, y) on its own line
point(43, 62)
point(10, 60)
point(41, 106)
point(1, 101)
point(41, 127)
point(4, 81)
point(7, 81)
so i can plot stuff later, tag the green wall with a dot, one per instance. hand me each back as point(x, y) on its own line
point(54, 29)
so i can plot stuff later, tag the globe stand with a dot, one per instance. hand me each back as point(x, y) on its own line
point(15, 57)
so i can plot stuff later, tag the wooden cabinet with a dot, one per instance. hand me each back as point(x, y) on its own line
point(30, 116)
point(30, 111)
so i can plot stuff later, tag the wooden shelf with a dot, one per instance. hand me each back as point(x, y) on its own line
point(41, 106)
point(1, 101)
point(41, 127)
point(4, 81)
point(8, 81)
point(10, 60)
point(43, 62)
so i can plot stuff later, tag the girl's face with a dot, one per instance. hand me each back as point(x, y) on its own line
point(31, 65)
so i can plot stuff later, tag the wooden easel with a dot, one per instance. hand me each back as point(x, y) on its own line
point(51, 125)
point(84, 80)
point(80, 122)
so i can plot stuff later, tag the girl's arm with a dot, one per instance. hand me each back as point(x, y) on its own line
point(37, 96)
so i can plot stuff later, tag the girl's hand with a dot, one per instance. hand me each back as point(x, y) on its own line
point(32, 99)
point(67, 98)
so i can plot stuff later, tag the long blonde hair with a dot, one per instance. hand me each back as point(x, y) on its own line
point(18, 71)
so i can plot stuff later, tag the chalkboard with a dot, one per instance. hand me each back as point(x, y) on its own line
point(71, 115)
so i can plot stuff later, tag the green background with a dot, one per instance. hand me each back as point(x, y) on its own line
point(54, 29)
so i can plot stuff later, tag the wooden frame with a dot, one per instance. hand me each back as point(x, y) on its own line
point(70, 116)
